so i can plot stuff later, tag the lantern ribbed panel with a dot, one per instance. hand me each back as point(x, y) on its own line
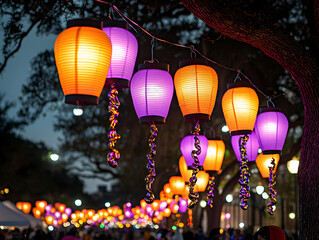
point(186, 174)
point(152, 92)
point(263, 162)
point(215, 155)
point(177, 184)
point(124, 52)
point(187, 146)
point(196, 89)
point(252, 146)
point(202, 181)
point(271, 129)
point(240, 107)
point(82, 56)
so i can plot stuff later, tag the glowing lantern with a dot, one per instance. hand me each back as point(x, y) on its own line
point(175, 208)
point(49, 220)
point(162, 195)
point(263, 162)
point(64, 217)
point(143, 203)
point(83, 55)
point(168, 190)
point(202, 181)
point(187, 146)
point(162, 206)
point(185, 192)
point(41, 205)
point(24, 206)
point(252, 146)
point(177, 184)
point(271, 129)
point(167, 212)
point(182, 205)
point(68, 211)
point(60, 207)
point(215, 155)
point(156, 205)
point(240, 106)
point(36, 212)
point(196, 88)
point(124, 52)
point(186, 174)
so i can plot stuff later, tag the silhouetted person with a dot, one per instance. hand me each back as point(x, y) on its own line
point(270, 233)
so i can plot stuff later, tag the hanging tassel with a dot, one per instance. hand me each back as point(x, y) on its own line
point(151, 165)
point(244, 192)
point(210, 193)
point(193, 196)
point(114, 104)
point(272, 191)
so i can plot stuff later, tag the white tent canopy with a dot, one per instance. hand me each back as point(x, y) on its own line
point(34, 222)
point(10, 218)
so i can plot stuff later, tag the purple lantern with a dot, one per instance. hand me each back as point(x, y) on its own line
point(124, 52)
point(162, 206)
point(68, 211)
point(152, 91)
point(187, 146)
point(271, 128)
point(252, 146)
point(183, 205)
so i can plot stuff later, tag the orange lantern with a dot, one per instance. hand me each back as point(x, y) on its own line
point(36, 212)
point(168, 190)
point(162, 195)
point(90, 213)
point(175, 208)
point(196, 88)
point(167, 212)
point(49, 220)
point(64, 217)
point(185, 192)
point(155, 205)
point(143, 203)
point(60, 207)
point(177, 184)
point(263, 162)
point(202, 181)
point(41, 205)
point(215, 155)
point(240, 106)
point(82, 54)
point(24, 206)
point(186, 174)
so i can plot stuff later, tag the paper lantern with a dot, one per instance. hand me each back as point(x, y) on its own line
point(152, 91)
point(143, 203)
point(124, 53)
point(36, 212)
point(82, 55)
point(163, 205)
point(24, 206)
point(252, 146)
point(167, 212)
point(182, 205)
point(196, 88)
point(183, 169)
point(271, 129)
point(185, 191)
point(156, 205)
point(202, 181)
point(187, 146)
point(168, 190)
point(215, 155)
point(263, 162)
point(240, 107)
point(177, 184)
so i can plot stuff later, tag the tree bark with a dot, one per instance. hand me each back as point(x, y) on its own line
point(305, 71)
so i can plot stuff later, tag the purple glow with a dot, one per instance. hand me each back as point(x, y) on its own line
point(57, 215)
point(128, 214)
point(128, 205)
point(227, 216)
point(156, 213)
point(148, 208)
point(55, 223)
point(171, 205)
point(187, 146)
point(252, 146)
point(152, 92)
point(162, 206)
point(48, 207)
point(271, 129)
point(183, 205)
point(124, 52)
point(68, 211)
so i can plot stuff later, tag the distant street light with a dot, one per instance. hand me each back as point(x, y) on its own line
point(107, 204)
point(241, 225)
point(77, 112)
point(293, 166)
point(78, 202)
point(203, 203)
point(225, 129)
point(265, 195)
point(292, 215)
point(229, 198)
point(260, 189)
point(54, 157)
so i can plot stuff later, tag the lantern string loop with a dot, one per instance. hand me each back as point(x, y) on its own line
point(244, 192)
point(151, 164)
point(210, 193)
point(237, 76)
point(113, 108)
point(272, 191)
point(193, 196)
point(269, 101)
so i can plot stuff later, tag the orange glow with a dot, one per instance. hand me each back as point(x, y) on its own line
point(36, 212)
point(167, 212)
point(196, 88)
point(240, 107)
point(185, 192)
point(74, 217)
point(49, 220)
point(186, 174)
point(64, 217)
point(263, 162)
point(60, 207)
point(168, 190)
point(175, 208)
point(24, 206)
point(162, 195)
point(222, 217)
point(177, 184)
point(41, 205)
point(90, 213)
point(155, 205)
point(143, 203)
point(215, 155)
point(82, 55)
point(202, 181)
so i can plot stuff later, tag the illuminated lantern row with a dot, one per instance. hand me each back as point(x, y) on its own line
point(212, 165)
point(82, 55)
point(240, 106)
point(24, 206)
point(183, 169)
point(252, 146)
point(177, 184)
point(152, 91)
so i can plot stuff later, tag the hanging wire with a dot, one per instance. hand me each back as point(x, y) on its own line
point(269, 101)
point(239, 72)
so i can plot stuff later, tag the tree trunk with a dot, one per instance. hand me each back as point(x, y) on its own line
point(304, 70)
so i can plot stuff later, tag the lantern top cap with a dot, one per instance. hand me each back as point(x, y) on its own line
point(240, 132)
point(158, 66)
point(115, 23)
point(192, 61)
point(215, 138)
point(237, 84)
point(81, 22)
point(269, 109)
